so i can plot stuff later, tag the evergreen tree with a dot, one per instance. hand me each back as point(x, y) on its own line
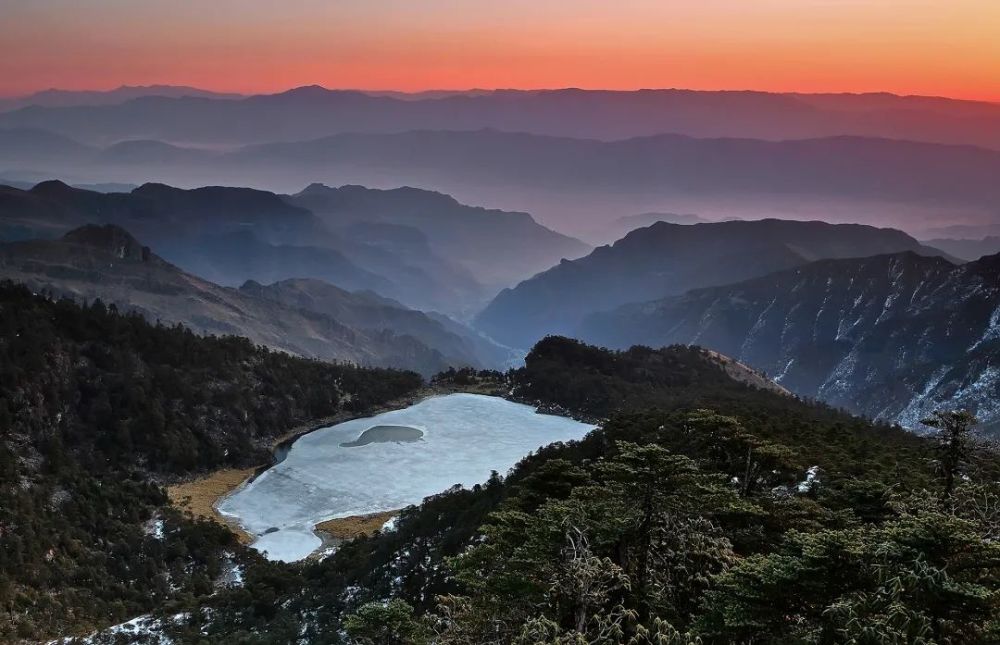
point(953, 428)
point(390, 623)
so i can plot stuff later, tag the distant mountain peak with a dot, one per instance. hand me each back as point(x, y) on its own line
point(314, 92)
point(53, 187)
point(112, 239)
point(315, 187)
point(308, 89)
point(155, 185)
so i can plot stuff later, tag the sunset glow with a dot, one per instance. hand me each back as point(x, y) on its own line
point(904, 46)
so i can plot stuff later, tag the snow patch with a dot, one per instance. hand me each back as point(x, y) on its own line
point(992, 331)
point(144, 627)
point(811, 480)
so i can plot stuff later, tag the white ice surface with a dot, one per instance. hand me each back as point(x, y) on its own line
point(288, 544)
point(465, 437)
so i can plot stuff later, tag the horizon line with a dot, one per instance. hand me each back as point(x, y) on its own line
point(247, 94)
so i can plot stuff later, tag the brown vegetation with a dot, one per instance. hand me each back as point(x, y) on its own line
point(200, 496)
point(348, 528)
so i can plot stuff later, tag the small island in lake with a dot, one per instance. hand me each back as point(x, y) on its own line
point(386, 434)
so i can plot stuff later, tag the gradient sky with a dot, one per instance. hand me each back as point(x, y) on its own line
point(936, 47)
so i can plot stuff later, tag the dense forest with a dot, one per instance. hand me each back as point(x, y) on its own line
point(703, 511)
point(97, 409)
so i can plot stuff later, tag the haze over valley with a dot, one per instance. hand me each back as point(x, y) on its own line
point(546, 323)
point(574, 179)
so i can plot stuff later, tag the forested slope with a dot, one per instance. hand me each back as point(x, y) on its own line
point(703, 511)
point(97, 408)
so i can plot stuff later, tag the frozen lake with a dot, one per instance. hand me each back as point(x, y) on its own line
point(409, 454)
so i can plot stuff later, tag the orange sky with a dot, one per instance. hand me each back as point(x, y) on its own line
point(938, 47)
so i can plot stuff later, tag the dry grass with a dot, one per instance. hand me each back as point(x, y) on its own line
point(200, 496)
point(348, 528)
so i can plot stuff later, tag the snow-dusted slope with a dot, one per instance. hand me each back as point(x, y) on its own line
point(892, 337)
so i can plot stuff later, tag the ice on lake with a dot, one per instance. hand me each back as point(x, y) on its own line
point(442, 441)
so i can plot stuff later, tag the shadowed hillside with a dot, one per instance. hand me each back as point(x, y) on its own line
point(666, 259)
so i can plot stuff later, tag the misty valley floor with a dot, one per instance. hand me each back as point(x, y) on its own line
point(465, 437)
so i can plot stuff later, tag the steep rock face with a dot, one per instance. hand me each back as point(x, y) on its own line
point(892, 337)
point(106, 262)
point(110, 239)
point(666, 259)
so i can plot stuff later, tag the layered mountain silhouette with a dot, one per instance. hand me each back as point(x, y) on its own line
point(497, 247)
point(664, 164)
point(160, 212)
point(307, 318)
point(579, 185)
point(75, 98)
point(309, 112)
point(368, 310)
point(620, 227)
point(666, 259)
point(892, 337)
point(420, 248)
point(967, 248)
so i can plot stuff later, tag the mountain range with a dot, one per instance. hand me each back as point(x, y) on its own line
point(754, 461)
point(967, 248)
point(666, 259)
point(622, 226)
point(76, 98)
point(497, 247)
point(303, 317)
point(577, 185)
point(892, 337)
point(420, 248)
point(312, 111)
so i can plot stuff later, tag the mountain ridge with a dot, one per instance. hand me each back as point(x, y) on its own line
point(424, 249)
point(668, 259)
point(108, 263)
point(893, 337)
point(578, 184)
point(480, 239)
point(603, 114)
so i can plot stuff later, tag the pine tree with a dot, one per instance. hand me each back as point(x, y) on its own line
point(952, 446)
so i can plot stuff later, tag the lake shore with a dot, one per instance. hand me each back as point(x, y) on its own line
point(200, 496)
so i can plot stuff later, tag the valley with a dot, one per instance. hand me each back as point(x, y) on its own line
point(107, 263)
point(403, 454)
point(466, 323)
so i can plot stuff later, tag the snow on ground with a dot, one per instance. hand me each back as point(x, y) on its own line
point(142, 628)
point(465, 437)
point(812, 477)
point(232, 572)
